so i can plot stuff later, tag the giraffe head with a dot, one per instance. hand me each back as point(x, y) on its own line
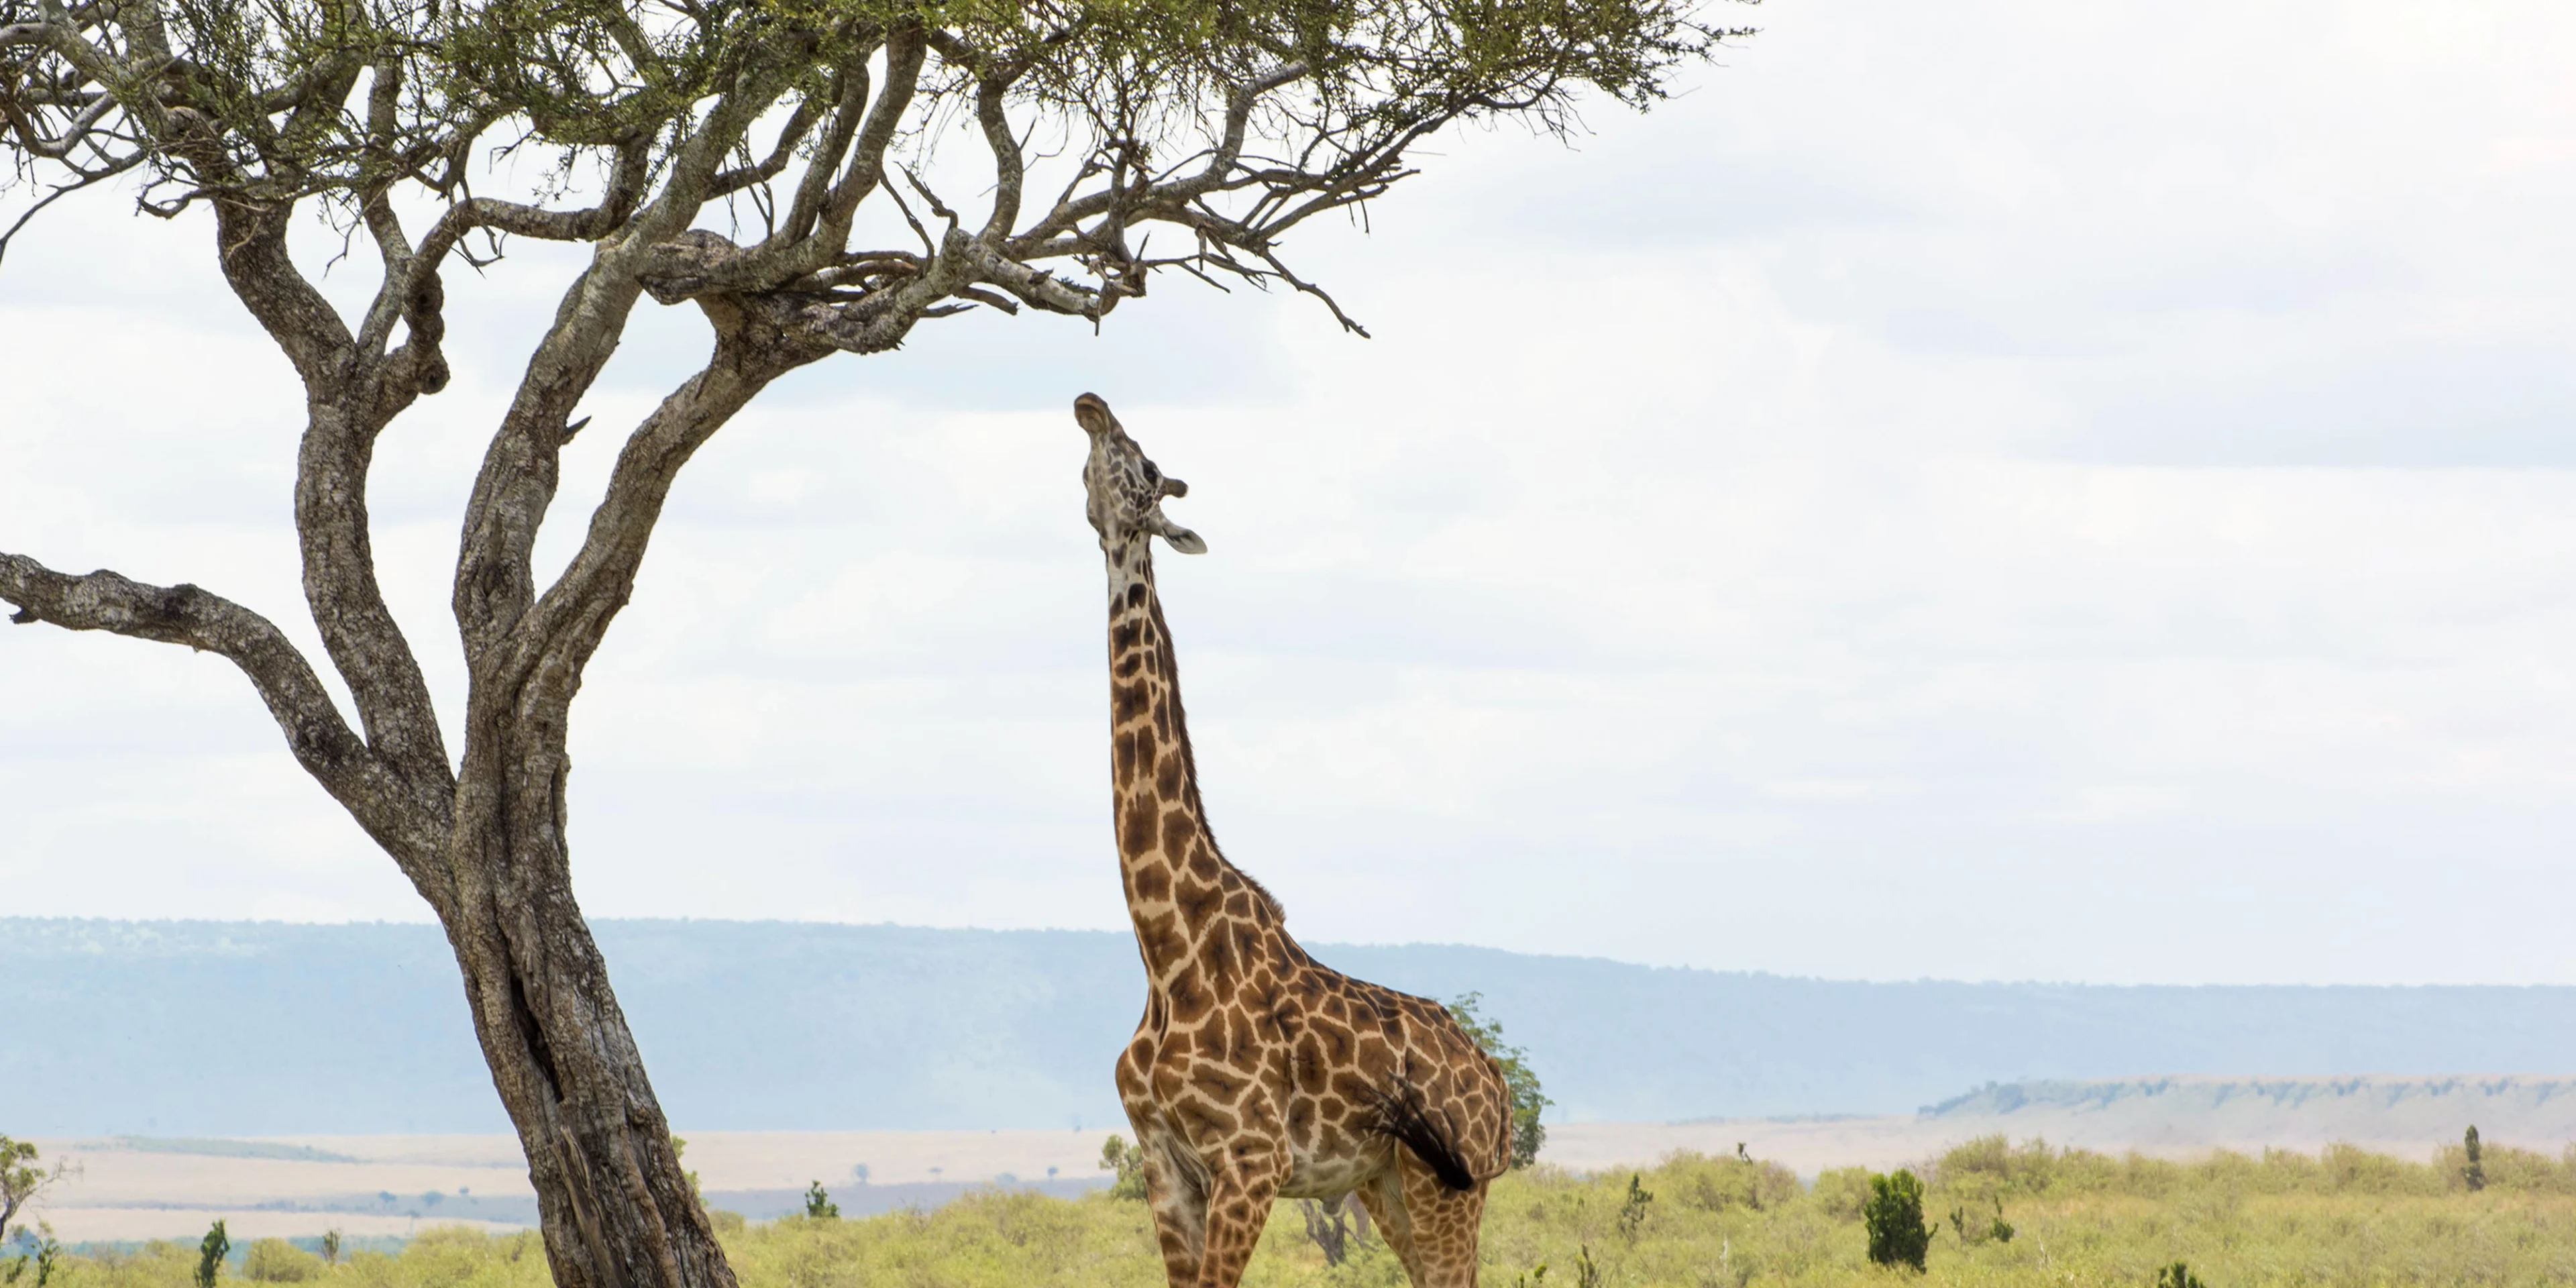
point(1126, 490)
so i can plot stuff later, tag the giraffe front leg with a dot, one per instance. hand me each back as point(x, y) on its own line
point(1238, 1206)
point(1179, 1206)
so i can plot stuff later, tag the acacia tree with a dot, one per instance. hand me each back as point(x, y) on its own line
point(23, 1180)
point(1185, 135)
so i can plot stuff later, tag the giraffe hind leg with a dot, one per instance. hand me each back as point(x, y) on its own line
point(1383, 1196)
point(1442, 1225)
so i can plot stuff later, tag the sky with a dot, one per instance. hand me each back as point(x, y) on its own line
point(1995, 490)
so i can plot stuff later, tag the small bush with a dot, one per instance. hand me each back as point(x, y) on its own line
point(1842, 1192)
point(1991, 1167)
point(2528, 1170)
point(679, 1150)
point(1897, 1234)
point(1632, 1210)
point(2503, 1167)
point(1127, 1164)
point(2350, 1169)
point(1587, 1272)
point(47, 1255)
point(1707, 1184)
point(275, 1261)
point(210, 1256)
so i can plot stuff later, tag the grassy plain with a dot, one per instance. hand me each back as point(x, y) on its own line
point(2343, 1216)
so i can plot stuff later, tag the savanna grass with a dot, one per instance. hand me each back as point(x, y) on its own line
point(2341, 1217)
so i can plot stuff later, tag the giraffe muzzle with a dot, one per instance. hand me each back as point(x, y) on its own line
point(1125, 489)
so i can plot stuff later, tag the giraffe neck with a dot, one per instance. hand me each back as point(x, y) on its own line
point(1176, 879)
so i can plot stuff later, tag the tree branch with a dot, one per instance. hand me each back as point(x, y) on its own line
point(322, 742)
point(799, 123)
point(558, 635)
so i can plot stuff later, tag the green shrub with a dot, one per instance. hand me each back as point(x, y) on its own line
point(47, 1256)
point(2527, 1171)
point(818, 1203)
point(679, 1150)
point(2350, 1169)
point(2177, 1275)
point(1897, 1234)
point(1632, 1209)
point(1528, 1101)
point(1988, 1171)
point(2505, 1168)
point(1841, 1192)
point(1587, 1272)
point(1706, 1184)
point(1973, 1230)
point(1992, 1167)
point(2473, 1172)
point(1128, 1165)
point(210, 1256)
point(275, 1261)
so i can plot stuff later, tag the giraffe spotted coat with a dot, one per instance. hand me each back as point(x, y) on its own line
point(1257, 1072)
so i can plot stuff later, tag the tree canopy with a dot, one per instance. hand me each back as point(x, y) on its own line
point(1230, 122)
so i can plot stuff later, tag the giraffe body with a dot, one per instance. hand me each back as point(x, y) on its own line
point(1258, 1073)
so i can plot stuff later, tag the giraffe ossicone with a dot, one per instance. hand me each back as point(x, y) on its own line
point(1258, 1073)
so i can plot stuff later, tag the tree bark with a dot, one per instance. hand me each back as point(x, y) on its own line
point(612, 1193)
point(617, 1207)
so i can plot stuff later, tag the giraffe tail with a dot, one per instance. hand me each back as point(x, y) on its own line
point(1402, 1114)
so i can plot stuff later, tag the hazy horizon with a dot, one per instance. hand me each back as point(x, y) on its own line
point(806, 1026)
point(1311, 942)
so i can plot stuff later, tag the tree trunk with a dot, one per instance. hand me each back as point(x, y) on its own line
point(617, 1209)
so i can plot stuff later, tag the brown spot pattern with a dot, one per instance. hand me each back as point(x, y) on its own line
point(1256, 1072)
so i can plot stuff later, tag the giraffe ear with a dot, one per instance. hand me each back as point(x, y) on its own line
point(1175, 487)
point(1184, 540)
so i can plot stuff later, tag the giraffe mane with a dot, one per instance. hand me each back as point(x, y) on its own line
point(1190, 758)
point(1278, 910)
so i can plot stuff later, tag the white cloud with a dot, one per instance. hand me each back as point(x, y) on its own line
point(2002, 490)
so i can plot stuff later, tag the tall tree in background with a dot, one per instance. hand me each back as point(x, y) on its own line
point(811, 123)
point(1529, 1135)
point(23, 1179)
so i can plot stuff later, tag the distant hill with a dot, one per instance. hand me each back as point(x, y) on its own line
point(2180, 1114)
point(241, 1029)
point(2174, 1117)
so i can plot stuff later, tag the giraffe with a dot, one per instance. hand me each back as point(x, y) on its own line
point(1258, 1073)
